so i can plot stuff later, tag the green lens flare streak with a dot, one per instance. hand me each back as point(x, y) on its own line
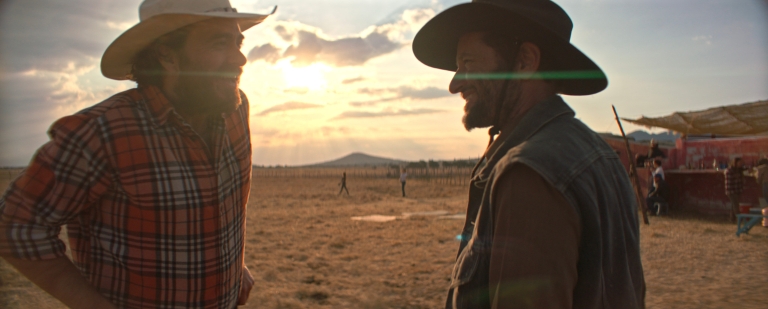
point(537, 75)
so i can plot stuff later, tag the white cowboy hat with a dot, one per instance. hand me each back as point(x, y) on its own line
point(159, 17)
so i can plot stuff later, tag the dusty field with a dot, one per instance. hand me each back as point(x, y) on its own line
point(306, 252)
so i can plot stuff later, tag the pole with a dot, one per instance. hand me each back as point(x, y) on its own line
point(632, 170)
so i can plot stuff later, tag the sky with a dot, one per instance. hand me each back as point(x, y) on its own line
point(329, 77)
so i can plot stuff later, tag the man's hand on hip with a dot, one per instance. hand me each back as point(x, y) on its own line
point(60, 278)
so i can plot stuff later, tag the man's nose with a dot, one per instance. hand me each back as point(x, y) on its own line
point(457, 83)
point(238, 58)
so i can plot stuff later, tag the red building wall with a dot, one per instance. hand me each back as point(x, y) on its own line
point(695, 184)
point(695, 153)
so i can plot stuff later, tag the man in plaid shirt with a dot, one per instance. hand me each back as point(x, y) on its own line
point(151, 183)
point(734, 184)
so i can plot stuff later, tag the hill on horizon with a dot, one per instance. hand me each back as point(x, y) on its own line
point(358, 159)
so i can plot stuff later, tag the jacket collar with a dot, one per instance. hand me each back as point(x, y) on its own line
point(536, 118)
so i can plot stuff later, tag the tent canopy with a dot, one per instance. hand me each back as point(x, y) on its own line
point(742, 119)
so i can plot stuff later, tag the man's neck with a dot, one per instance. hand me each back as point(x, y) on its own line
point(531, 95)
point(198, 122)
point(532, 92)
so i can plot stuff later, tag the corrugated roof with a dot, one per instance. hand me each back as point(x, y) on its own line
point(741, 119)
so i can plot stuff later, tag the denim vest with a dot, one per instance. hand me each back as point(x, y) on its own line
point(580, 165)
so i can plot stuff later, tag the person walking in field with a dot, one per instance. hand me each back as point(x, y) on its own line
point(152, 182)
point(552, 217)
point(734, 185)
point(343, 183)
point(403, 175)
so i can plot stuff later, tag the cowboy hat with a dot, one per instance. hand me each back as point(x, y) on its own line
point(539, 21)
point(159, 17)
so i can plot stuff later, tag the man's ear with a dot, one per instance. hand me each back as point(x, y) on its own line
point(528, 58)
point(168, 58)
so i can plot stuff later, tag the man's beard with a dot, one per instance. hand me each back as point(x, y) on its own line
point(197, 91)
point(488, 94)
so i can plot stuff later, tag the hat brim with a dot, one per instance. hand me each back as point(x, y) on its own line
point(436, 43)
point(117, 61)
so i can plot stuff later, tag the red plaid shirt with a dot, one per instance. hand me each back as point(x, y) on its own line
point(154, 219)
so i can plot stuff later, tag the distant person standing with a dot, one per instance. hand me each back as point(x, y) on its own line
point(657, 169)
point(343, 183)
point(659, 196)
point(403, 175)
point(655, 152)
point(762, 176)
point(734, 184)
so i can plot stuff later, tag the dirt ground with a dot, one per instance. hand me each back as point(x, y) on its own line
point(305, 251)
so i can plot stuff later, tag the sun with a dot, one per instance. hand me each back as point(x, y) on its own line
point(311, 77)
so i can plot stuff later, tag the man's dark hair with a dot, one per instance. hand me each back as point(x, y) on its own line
point(147, 69)
point(735, 161)
point(657, 161)
point(507, 46)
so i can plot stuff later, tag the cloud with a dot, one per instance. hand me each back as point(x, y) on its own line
point(423, 93)
point(402, 92)
point(307, 45)
point(707, 39)
point(287, 106)
point(283, 33)
point(351, 51)
point(30, 101)
point(52, 35)
point(297, 90)
point(372, 102)
point(330, 131)
point(387, 113)
point(266, 52)
point(352, 80)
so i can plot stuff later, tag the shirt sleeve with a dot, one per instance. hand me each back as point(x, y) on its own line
point(535, 243)
point(63, 178)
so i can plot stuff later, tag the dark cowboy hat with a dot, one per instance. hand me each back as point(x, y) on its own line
point(539, 21)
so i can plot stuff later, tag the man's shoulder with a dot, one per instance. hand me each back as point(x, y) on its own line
point(559, 151)
point(117, 106)
point(564, 139)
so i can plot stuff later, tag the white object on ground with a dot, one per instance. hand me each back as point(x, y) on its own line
point(375, 218)
point(407, 215)
point(453, 217)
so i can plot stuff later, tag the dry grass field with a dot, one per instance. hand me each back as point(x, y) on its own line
point(305, 251)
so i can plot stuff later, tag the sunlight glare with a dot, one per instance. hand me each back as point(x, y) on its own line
point(311, 77)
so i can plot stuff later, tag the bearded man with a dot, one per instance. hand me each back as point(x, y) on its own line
point(153, 182)
point(552, 220)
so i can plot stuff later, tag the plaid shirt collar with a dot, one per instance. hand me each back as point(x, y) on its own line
point(158, 105)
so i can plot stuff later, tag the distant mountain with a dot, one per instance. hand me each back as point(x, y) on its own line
point(358, 159)
point(665, 137)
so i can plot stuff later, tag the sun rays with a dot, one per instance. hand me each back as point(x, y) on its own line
point(311, 77)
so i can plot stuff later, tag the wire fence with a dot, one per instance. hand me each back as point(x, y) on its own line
point(444, 175)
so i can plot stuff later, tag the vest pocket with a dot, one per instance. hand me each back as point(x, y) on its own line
point(466, 266)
